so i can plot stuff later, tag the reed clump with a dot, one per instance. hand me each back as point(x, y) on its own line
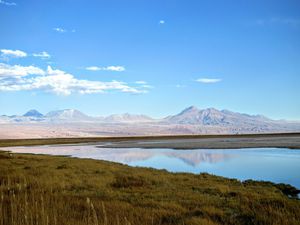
point(53, 190)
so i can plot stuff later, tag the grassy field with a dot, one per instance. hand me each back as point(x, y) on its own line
point(46, 190)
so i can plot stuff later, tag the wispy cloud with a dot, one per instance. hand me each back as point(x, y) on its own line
point(144, 84)
point(141, 82)
point(8, 53)
point(147, 86)
point(278, 21)
point(12, 53)
point(7, 3)
point(43, 55)
point(162, 22)
point(107, 68)
point(59, 30)
point(208, 80)
point(26, 78)
point(180, 86)
point(63, 30)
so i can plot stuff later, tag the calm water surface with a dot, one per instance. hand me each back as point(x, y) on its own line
point(270, 164)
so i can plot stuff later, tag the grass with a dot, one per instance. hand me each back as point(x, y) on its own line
point(46, 190)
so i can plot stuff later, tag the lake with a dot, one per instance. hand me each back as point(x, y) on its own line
point(278, 165)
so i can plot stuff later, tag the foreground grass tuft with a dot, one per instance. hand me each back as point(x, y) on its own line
point(53, 190)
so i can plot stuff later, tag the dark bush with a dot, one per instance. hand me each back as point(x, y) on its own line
point(128, 181)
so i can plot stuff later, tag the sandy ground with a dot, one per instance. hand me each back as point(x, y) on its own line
point(78, 130)
point(278, 141)
point(283, 140)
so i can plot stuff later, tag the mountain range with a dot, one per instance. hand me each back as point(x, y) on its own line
point(73, 115)
point(189, 116)
point(189, 121)
point(212, 116)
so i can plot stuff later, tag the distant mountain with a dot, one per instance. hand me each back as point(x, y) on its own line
point(127, 118)
point(33, 113)
point(73, 115)
point(67, 114)
point(214, 117)
point(77, 116)
point(71, 122)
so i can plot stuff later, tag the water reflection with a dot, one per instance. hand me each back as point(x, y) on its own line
point(193, 158)
point(127, 155)
point(277, 165)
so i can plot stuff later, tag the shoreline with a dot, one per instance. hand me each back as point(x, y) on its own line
point(278, 140)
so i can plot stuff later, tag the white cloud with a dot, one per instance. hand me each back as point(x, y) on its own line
point(93, 68)
point(63, 30)
point(162, 22)
point(6, 53)
point(13, 78)
point(7, 3)
point(19, 71)
point(43, 55)
point(147, 86)
point(144, 84)
point(208, 80)
point(13, 53)
point(108, 68)
point(59, 29)
point(115, 68)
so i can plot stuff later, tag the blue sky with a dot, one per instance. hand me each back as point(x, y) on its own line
point(151, 57)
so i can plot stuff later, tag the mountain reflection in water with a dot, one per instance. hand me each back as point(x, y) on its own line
point(127, 155)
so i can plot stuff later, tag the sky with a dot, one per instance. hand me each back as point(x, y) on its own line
point(150, 56)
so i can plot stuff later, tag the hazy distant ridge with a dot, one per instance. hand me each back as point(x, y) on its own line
point(189, 116)
point(212, 116)
point(71, 122)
